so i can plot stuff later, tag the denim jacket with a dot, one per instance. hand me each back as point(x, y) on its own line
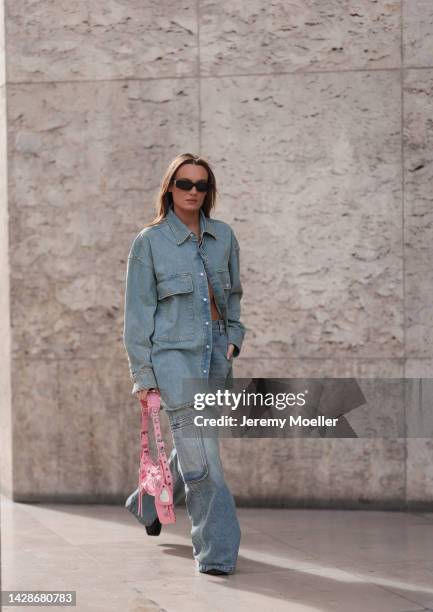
point(167, 325)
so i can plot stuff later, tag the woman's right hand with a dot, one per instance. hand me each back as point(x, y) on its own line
point(142, 394)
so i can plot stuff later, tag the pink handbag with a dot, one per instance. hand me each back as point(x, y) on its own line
point(155, 478)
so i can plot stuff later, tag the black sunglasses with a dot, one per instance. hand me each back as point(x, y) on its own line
point(187, 185)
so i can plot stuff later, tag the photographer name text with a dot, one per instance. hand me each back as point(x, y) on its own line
point(298, 421)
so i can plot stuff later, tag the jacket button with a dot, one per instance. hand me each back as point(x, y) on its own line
point(201, 274)
point(207, 322)
point(204, 299)
point(204, 371)
point(207, 346)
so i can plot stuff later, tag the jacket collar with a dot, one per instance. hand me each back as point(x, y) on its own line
point(181, 231)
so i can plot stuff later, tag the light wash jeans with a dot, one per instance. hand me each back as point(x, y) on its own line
point(198, 476)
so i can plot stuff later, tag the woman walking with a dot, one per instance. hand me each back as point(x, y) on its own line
point(182, 323)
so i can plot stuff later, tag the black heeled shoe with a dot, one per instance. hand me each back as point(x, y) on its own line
point(131, 505)
point(215, 572)
point(154, 529)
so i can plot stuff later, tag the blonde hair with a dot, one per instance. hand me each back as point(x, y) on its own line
point(164, 199)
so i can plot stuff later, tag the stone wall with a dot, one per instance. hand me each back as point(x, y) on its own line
point(318, 122)
point(5, 324)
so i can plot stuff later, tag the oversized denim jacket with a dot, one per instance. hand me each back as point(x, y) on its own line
point(168, 326)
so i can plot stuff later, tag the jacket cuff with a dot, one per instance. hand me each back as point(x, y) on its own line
point(235, 336)
point(144, 379)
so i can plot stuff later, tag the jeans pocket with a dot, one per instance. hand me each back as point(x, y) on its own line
point(190, 449)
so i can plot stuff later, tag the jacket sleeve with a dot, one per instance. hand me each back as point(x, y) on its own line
point(236, 330)
point(140, 305)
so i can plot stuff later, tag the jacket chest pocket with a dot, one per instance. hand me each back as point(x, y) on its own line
point(174, 317)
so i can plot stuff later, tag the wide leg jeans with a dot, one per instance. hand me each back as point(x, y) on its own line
point(198, 477)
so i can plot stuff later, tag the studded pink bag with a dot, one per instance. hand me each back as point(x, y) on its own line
point(155, 478)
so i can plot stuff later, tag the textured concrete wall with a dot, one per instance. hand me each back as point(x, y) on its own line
point(318, 121)
point(5, 326)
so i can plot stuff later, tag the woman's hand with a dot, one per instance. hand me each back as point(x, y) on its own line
point(230, 350)
point(142, 394)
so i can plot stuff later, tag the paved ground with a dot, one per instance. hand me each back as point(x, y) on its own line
point(291, 560)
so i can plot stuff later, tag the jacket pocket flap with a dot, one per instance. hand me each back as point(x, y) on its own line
point(180, 283)
point(224, 276)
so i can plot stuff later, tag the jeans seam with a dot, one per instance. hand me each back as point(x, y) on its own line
point(202, 508)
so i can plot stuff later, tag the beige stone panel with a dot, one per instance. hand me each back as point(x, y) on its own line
point(417, 32)
point(2, 44)
point(419, 368)
point(291, 367)
point(420, 472)
point(93, 405)
point(358, 473)
point(420, 441)
point(36, 430)
point(85, 164)
point(382, 415)
point(76, 431)
point(363, 472)
point(105, 441)
point(418, 177)
point(5, 331)
point(298, 36)
point(309, 171)
point(81, 40)
point(420, 409)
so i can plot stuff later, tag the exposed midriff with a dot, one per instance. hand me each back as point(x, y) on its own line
point(214, 310)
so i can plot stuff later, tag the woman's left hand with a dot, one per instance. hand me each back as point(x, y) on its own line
point(230, 350)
